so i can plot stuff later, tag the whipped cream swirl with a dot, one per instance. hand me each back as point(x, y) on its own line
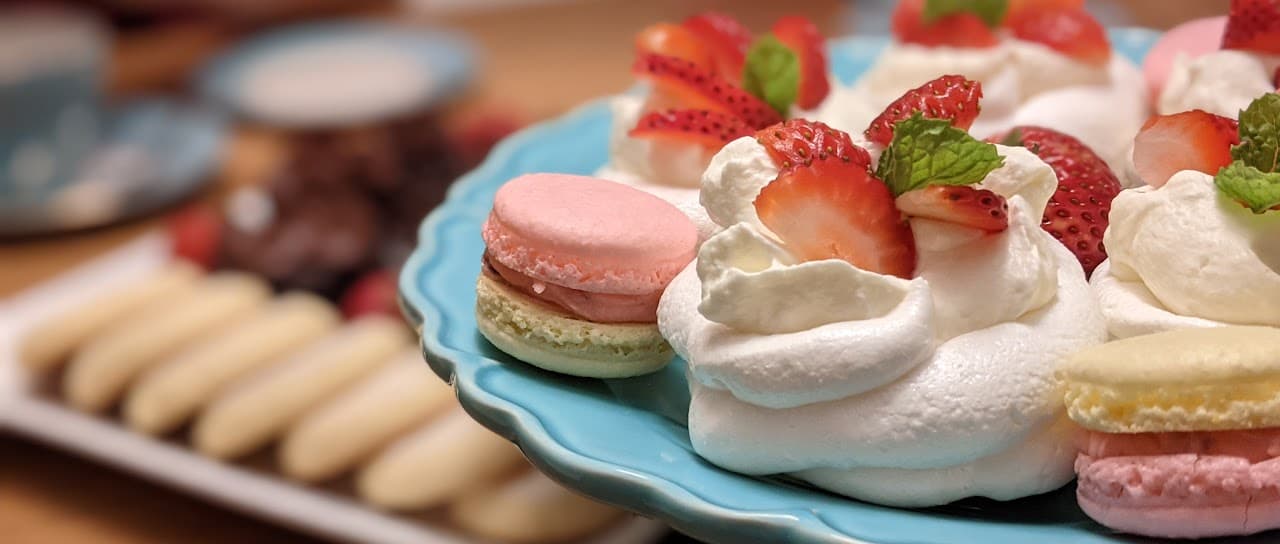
point(873, 385)
point(1223, 82)
point(1183, 256)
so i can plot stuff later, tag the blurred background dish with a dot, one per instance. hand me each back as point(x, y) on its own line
point(338, 73)
point(68, 160)
point(319, 196)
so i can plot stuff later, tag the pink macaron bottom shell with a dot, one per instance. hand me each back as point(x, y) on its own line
point(1192, 38)
point(588, 234)
point(594, 307)
point(1180, 495)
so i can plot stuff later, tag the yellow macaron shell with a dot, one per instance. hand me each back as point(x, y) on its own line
point(1220, 378)
point(544, 337)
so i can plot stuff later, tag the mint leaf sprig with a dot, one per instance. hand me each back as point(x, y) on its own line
point(991, 12)
point(1253, 177)
point(772, 73)
point(932, 152)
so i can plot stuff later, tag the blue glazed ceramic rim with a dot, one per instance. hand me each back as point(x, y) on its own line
point(644, 492)
point(448, 56)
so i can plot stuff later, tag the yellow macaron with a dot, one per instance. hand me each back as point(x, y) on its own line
point(553, 340)
point(1187, 380)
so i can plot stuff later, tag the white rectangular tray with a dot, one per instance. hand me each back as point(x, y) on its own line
point(316, 511)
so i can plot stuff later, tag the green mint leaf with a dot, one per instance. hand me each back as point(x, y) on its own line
point(1257, 190)
point(772, 73)
point(932, 152)
point(1259, 145)
point(991, 12)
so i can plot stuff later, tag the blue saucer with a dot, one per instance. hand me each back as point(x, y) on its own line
point(444, 58)
point(153, 153)
point(624, 441)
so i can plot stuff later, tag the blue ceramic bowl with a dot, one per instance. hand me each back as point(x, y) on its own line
point(624, 441)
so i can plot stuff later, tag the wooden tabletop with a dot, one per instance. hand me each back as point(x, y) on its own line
point(537, 61)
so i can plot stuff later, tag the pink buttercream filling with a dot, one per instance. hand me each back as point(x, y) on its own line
point(596, 307)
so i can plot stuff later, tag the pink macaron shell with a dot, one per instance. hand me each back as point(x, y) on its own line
point(1193, 39)
point(1180, 496)
point(588, 234)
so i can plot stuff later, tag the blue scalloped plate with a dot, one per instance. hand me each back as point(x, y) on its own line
point(624, 441)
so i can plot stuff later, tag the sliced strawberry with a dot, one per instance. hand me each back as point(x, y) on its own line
point(832, 209)
point(953, 98)
point(960, 204)
point(195, 235)
point(675, 41)
point(680, 83)
point(1018, 8)
point(727, 39)
point(802, 37)
point(1190, 140)
point(1077, 213)
point(710, 129)
point(1253, 25)
point(956, 30)
point(798, 142)
point(1070, 31)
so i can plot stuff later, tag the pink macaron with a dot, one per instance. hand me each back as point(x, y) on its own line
point(588, 234)
point(1193, 39)
point(574, 268)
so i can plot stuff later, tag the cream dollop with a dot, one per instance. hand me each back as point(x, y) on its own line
point(834, 372)
point(1223, 82)
point(751, 284)
point(734, 179)
point(1182, 255)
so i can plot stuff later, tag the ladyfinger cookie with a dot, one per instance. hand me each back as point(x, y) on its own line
point(436, 464)
point(167, 395)
point(338, 435)
point(49, 344)
point(256, 410)
point(531, 509)
point(100, 372)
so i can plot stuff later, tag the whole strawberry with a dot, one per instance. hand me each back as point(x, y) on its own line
point(1077, 214)
point(1253, 25)
point(953, 98)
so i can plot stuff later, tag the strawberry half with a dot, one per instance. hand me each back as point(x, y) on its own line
point(802, 37)
point(1190, 140)
point(959, 204)
point(953, 98)
point(956, 30)
point(675, 41)
point(726, 38)
point(1077, 213)
point(1070, 31)
point(710, 129)
point(680, 83)
point(798, 142)
point(832, 209)
point(1253, 25)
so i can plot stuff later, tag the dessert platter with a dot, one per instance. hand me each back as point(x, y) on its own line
point(893, 311)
